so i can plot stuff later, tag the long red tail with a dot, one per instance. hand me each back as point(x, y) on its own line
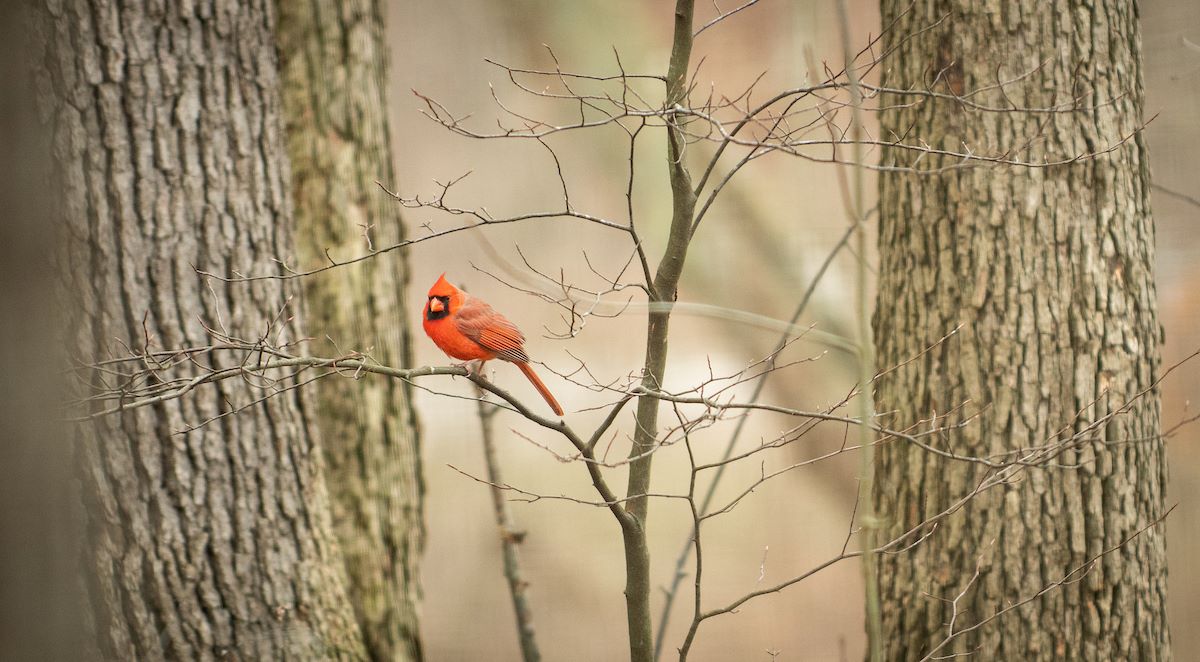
point(541, 388)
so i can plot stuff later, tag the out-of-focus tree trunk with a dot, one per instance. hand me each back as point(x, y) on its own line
point(39, 592)
point(214, 543)
point(334, 68)
point(1050, 272)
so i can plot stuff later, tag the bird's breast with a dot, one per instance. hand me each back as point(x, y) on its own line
point(450, 340)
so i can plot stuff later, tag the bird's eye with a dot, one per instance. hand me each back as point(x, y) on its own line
point(437, 308)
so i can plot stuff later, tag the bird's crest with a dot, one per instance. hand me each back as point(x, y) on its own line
point(442, 288)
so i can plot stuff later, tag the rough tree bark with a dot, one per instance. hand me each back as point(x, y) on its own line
point(214, 543)
point(333, 58)
point(1050, 271)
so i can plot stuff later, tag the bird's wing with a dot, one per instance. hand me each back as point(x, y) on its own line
point(479, 322)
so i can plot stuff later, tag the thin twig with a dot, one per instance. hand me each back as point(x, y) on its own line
point(723, 16)
point(1191, 200)
point(510, 536)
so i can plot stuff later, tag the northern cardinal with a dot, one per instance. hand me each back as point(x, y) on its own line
point(466, 328)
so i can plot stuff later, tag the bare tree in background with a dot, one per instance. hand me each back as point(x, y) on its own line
point(1049, 273)
point(333, 64)
point(209, 534)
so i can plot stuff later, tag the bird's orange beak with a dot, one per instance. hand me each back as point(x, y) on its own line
point(435, 305)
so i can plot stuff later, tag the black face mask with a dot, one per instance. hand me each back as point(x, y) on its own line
point(431, 314)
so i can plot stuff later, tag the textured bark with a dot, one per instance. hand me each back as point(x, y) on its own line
point(215, 543)
point(334, 68)
point(1050, 270)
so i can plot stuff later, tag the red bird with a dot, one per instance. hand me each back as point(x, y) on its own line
point(466, 328)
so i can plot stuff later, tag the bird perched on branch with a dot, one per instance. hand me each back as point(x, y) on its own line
point(468, 329)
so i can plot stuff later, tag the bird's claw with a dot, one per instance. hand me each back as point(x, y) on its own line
point(474, 367)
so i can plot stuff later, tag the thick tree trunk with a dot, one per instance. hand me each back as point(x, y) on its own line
point(1050, 272)
point(334, 67)
point(214, 543)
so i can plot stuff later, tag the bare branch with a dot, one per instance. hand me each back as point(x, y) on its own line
point(724, 16)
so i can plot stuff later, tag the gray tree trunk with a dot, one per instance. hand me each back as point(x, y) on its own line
point(334, 69)
point(215, 543)
point(1050, 272)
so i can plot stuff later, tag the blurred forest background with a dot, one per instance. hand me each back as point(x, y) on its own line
point(768, 236)
point(199, 540)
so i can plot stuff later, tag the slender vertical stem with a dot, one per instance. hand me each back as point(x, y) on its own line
point(510, 537)
point(866, 355)
point(697, 519)
point(759, 386)
point(662, 290)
